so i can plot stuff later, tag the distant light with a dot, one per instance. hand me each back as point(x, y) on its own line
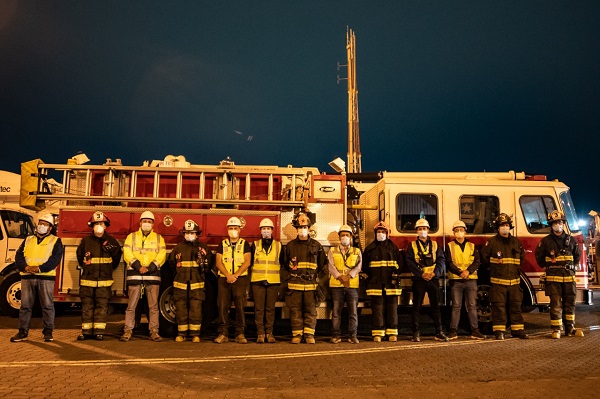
point(581, 223)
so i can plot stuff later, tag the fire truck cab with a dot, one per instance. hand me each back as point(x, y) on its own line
point(476, 199)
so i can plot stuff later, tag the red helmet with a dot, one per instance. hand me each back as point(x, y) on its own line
point(382, 225)
point(99, 217)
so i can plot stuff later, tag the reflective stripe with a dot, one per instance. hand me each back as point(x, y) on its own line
point(501, 281)
point(375, 292)
point(86, 326)
point(462, 259)
point(556, 323)
point(428, 269)
point(296, 332)
point(384, 263)
point(182, 327)
point(100, 326)
point(378, 333)
point(308, 330)
point(307, 265)
point(184, 286)
point(94, 283)
point(144, 278)
point(563, 258)
point(194, 327)
point(98, 261)
point(499, 328)
point(570, 317)
point(560, 279)
point(517, 327)
point(147, 249)
point(415, 248)
point(393, 291)
point(391, 331)
point(508, 261)
point(187, 263)
point(302, 287)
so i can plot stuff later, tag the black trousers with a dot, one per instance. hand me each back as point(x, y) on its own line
point(94, 309)
point(235, 292)
point(421, 287)
point(265, 297)
point(188, 305)
point(499, 296)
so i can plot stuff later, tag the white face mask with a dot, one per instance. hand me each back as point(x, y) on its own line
point(233, 234)
point(381, 236)
point(303, 232)
point(266, 233)
point(42, 229)
point(422, 233)
point(189, 236)
point(146, 227)
point(459, 234)
point(345, 241)
point(504, 230)
point(98, 230)
point(557, 228)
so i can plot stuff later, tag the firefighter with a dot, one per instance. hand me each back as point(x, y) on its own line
point(426, 261)
point(345, 262)
point(144, 253)
point(188, 261)
point(559, 254)
point(266, 281)
point(36, 259)
point(504, 254)
point(98, 255)
point(233, 260)
point(462, 262)
point(382, 263)
point(305, 260)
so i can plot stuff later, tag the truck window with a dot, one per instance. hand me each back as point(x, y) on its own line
point(478, 212)
point(412, 207)
point(535, 212)
point(567, 205)
point(17, 224)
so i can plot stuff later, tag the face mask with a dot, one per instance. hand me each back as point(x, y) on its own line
point(189, 237)
point(42, 229)
point(233, 234)
point(423, 233)
point(557, 227)
point(381, 236)
point(459, 234)
point(266, 233)
point(98, 230)
point(345, 241)
point(504, 230)
point(146, 227)
point(303, 232)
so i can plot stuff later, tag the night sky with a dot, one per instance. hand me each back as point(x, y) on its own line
point(443, 85)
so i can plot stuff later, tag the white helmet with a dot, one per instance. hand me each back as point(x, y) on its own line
point(233, 221)
point(422, 223)
point(266, 222)
point(345, 228)
point(459, 223)
point(147, 215)
point(47, 217)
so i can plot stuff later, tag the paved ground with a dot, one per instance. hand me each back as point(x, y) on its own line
point(539, 367)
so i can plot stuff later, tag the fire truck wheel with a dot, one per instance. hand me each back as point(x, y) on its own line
point(484, 308)
point(166, 308)
point(10, 295)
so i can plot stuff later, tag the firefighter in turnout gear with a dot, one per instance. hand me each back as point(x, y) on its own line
point(504, 254)
point(37, 259)
point(345, 263)
point(382, 263)
point(305, 260)
point(266, 281)
point(233, 260)
point(462, 262)
point(98, 255)
point(188, 262)
point(426, 261)
point(559, 254)
point(144, 253)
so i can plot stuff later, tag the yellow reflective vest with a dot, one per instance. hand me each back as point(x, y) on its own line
point(462, 259)
point(233, 260)
point(266, 263)
point(150, 251)
point(425, 251)
point(344, 263)
point(36, 254)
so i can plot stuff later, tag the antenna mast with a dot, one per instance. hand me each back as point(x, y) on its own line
point(354, 156)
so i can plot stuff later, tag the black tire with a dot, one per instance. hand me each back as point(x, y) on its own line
point(166, 310)
point(10, 295)
point(484, 308)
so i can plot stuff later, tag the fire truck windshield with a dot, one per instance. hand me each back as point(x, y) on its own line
point(569, 209)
